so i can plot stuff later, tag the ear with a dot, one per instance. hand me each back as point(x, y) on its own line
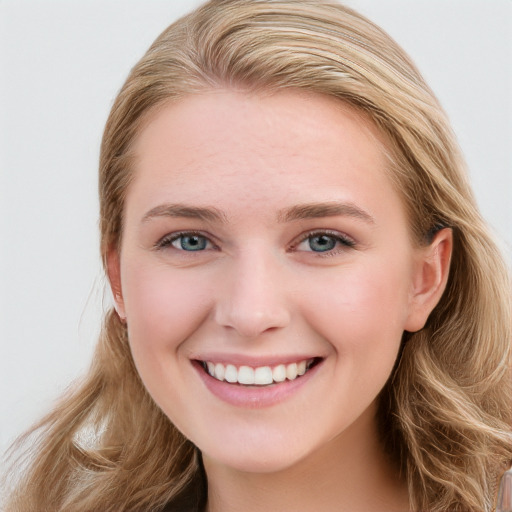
point(114, 276)
point(430, 278)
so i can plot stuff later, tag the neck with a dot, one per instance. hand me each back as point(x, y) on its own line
point(350, 473)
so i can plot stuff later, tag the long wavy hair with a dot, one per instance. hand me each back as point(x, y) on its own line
point(444, 414)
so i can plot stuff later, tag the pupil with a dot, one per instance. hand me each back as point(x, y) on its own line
point(322, 243)
point(193, 243)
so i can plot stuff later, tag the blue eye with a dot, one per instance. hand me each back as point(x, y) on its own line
point(190, 242)
point(322, 242)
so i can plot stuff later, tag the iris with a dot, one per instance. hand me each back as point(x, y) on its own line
point(322, 243)
point(190, 242)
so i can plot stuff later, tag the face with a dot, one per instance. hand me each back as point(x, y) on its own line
point(266, 273)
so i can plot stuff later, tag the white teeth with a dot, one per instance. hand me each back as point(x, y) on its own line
point(263, 375)
point(219, 371)
point(246, 375)
point(260, 376)
point(291, 371)
point(231, 374)
point(279, 373)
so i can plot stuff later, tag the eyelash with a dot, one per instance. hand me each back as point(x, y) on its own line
point(338, 238)
point(168, 240)
point(342, 242)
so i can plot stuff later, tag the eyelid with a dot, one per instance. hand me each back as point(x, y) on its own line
point(343, 238)
point(166, 241)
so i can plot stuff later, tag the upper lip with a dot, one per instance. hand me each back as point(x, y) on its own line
point(254, 361)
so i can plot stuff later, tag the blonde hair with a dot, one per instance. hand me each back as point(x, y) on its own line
point(445, 413)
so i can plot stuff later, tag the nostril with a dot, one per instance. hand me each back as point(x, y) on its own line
point(251, 324)
point(254, 299)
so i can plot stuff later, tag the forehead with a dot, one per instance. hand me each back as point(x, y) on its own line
point(261, 112)
point(286, 145)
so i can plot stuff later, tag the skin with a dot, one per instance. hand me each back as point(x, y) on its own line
point(261, 289)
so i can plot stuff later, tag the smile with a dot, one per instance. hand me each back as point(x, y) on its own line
point(258, 376)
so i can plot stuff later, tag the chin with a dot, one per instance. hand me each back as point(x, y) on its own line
point(258, 462)
point(254, 454)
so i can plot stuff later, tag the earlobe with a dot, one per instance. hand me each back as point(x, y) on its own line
point(430, 279)
point(114, 277)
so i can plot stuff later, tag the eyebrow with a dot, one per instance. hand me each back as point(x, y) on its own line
point(329, 209)
point(297, 212)
point(181, 210)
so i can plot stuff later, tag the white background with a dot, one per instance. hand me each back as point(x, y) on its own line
point(61, 64)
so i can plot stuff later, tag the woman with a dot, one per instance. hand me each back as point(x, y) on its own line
point(290, 241)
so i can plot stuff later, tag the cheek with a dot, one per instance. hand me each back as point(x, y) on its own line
point(363, 312)
point(163, 308)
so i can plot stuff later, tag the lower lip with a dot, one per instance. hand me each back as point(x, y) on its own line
point(254, 397)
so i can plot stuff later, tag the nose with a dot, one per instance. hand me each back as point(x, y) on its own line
point(252, 296)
